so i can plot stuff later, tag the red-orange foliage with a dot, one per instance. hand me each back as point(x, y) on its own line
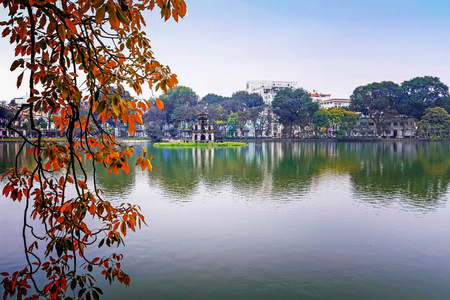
point(73, 52)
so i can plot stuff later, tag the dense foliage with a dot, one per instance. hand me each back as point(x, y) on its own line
point(435, 124)
point(421, 93)
point(380, 101)
point(294, 108)
point(335, 121)
point(73, 52)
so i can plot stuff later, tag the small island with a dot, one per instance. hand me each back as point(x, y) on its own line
point(202, 135)
point(193, 144)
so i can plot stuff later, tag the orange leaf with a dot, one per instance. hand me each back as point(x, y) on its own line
point(71, 26)
point(92, 209)
point(62, 32)
point(19, 80)
point(123, 228)
point(100, 15)
point(82, 184)
point(159, 104)
point(63, 208)
point(115, 226)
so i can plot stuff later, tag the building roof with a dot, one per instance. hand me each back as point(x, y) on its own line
point(337, 99)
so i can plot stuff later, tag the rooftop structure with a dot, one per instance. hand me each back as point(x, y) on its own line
point(335, 103)
point(319, 97)
point(326, 101)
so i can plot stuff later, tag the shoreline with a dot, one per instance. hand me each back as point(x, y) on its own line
point(255, 140)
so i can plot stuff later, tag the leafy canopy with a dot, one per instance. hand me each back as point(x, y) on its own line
point(435, 124)
point(421, 93)
point(72, 53)
point(294, 107)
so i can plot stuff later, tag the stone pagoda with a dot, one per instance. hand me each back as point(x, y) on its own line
point(203, 129)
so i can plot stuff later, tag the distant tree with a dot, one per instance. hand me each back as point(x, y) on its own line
point(153, 119)
point(248, 100)
point(337, 121)
point(305, 117)
point(216, 112)
point(154, 114)
point(435, 124)
point(178, 104)
point(232, 105)
point(211, 99)
point(343, 121)
point(444, 102)
point(241, 101)
point(154, 131)
point(421, 93)
point(185, 113)
point(232, 124)
point(322, 120)
point(264, 122)
point(294, 107)
point(377, 101)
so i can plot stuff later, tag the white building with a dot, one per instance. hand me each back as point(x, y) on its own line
point(326, 101)
point(268, 89)
point(335, 103)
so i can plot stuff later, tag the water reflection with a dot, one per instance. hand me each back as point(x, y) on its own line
point(410, 174)
point(8, 156)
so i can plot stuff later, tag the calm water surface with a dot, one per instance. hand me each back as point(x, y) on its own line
point(280, 221)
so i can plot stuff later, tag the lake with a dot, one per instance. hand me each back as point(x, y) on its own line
point(281, 220)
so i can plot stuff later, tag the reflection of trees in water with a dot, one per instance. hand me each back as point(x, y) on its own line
point(173, 170)
point(118, 186)
point(409, 173)
point(261, 168)
point(8, 155)
point(416, 174)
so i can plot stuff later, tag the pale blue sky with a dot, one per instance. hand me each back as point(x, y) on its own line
point(329, 46)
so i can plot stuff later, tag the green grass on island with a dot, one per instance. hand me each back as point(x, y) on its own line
point(192, 144)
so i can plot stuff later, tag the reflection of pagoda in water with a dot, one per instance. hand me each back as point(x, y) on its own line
point(203, 129)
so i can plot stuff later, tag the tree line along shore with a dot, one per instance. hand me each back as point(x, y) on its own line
point(417, 108)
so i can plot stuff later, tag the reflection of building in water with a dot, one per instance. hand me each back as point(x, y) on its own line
point(203, 129)
point(203, 158)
